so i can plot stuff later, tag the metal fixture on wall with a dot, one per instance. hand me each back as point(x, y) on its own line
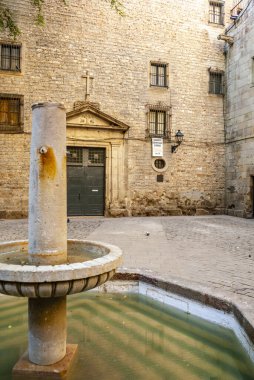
point(227, 39)
point(179, 138)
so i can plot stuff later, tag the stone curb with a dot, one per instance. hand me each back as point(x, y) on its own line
point(194, 292)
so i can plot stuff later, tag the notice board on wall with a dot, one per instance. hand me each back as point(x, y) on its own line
point(157, 147)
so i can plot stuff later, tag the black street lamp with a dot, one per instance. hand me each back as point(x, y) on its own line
point(179, 138)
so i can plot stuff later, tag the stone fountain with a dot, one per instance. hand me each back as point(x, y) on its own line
point(47, 268)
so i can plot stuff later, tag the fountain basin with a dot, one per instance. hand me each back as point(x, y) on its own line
point(131, 336)
point(89, 265)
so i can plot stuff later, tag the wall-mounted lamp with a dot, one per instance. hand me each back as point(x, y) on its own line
point(179, 138)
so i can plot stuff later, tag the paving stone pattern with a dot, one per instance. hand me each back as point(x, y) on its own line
point(213, 251)
point(18, 229)
point(216, 251)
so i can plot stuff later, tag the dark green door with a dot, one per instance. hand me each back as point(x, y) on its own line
point(85, 181)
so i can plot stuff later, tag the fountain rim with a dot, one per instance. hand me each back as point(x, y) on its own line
point(48, 104)
point(61, 272)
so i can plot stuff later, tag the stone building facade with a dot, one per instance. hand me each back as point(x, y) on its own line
point(124, 81)
point(240, 113)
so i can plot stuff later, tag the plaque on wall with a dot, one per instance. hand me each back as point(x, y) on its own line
point(157, 147)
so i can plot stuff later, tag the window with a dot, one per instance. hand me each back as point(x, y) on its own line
point(96, 157)
point(85, 156)
point(10, 113)
point(216, 82)
point(252, 71)
point(74, 155)
point(158, 74)
point(216, 12)
point(10, 57)
point(157, 123)
point(159, 163)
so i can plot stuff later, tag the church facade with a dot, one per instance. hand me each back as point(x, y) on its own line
point(144, 95)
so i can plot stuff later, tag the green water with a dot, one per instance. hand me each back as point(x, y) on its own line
point(131, 337)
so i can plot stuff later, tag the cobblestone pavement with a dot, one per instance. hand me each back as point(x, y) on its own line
point(217, 251)
point(18, 229)
point(214, 251)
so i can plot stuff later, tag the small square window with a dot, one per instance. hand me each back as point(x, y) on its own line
point(10, 113)
point(157, 123)
point(216, 12)
point(10, 57)
point(74, 155)
point(96, 156)
point(158, 74)
point(160, 178)
point(216, 82)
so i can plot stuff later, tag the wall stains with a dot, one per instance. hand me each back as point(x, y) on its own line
point(48, 165)
point(162, 203)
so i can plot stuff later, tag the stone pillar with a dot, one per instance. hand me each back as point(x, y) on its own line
point(47, 228)
point(47, 330)
point(47, 188)
point(115, 173)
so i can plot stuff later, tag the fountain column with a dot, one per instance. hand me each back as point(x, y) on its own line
point(47, 228)
point(47, 188)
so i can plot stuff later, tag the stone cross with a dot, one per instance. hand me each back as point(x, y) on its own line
point(89, 82)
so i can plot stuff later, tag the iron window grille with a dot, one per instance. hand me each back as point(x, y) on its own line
point(159, 74)
point(96, 157)
point(216, 12)
point(157, 123)
point(10, 57)
point(11, 113)
point(216, 85)
point(74, 155)
point(159, 163)
point(80, 156)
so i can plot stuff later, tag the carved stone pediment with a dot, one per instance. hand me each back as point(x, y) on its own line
point(90, 116)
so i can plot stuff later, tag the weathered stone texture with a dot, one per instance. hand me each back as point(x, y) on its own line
point(240, 117)
point(90, 36)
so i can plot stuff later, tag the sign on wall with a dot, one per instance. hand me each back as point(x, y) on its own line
point(157, 147)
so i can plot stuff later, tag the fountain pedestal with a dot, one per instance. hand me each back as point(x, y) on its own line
point(24, 369)
point(43, 274)
point(47, 330)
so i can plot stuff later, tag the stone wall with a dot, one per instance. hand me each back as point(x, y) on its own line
point(88, 35)
point(240, 116)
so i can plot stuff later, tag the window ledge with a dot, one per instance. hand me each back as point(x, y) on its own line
point(162, 87)
point(11, 132)
point(165, 137)
point(10, 72)
point(214, 24)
